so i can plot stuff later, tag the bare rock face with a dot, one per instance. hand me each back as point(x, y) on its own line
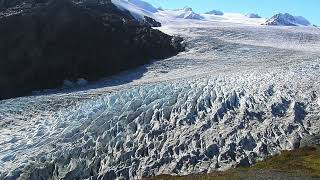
point(45, 42)
point(151, 22)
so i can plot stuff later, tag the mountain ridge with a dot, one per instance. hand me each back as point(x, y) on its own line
point(215, 12)
point(45, 43)
point(286, 19)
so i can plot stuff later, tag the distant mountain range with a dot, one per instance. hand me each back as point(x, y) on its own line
point(141, 9)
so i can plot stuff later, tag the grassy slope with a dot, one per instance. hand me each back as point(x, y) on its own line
point(301, 163)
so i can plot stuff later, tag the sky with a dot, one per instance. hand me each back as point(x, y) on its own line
point(309, 9)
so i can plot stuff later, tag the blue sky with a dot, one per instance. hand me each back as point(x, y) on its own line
point(310, 9)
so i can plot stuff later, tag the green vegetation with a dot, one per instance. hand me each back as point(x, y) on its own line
point(301, 163)
point(305, 160)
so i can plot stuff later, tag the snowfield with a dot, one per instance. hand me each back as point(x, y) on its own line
point(239, 93)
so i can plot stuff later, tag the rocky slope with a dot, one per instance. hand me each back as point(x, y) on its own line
point(140, 10)
point(45, 42)
point(287, 20)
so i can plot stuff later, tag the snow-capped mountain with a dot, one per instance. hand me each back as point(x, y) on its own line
point(143, 5)
point(287, 20)
point(138, 9)
point(175, 14)
point(253, 15)
point(143, 11)
point(187, 13)
point(215, 12)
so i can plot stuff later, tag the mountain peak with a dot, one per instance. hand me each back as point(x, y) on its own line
point(189, 14)
point(187, 8)
point(253, 15)
point(286, 19)
point(215, 12)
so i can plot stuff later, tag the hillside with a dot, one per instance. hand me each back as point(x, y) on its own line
point(303, 163)
point(44, 43)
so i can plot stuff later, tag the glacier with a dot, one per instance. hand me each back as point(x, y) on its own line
point(239, 93)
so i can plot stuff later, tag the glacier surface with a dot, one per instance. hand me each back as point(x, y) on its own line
point(239, 93)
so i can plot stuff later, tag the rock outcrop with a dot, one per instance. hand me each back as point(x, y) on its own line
point(44, 42)
point(215, 12)
point(253, 15)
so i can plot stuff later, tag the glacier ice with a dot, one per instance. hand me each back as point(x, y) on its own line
point(238, 94)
